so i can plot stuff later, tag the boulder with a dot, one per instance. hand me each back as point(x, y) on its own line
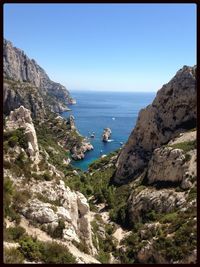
point(39, 211)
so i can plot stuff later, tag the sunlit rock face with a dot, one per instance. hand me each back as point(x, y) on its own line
point(173, 110)
point(30, 80)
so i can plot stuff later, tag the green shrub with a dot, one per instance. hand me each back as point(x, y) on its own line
point(192, 193)
point(7, 195)
point(7, 164)
point(47, 176)
point(103, 257)
point(13, 255)
point(187, 157)
point(16, 137)
point(185, 146)
point(31, 248)
point(150, 216)
point(13, 140)
point(20, 198)
point(82, 246)
point(170, 217)
point(54, 253)
point(37, 176)
point(21, 160)
point(58, 231)
point(14, 233)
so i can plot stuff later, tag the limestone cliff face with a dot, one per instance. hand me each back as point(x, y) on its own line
point(73, 209)
point(172, 111)
point(19, 68)
point(21, 118)
point(48, 201)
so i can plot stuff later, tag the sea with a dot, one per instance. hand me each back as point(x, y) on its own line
point(95, 111)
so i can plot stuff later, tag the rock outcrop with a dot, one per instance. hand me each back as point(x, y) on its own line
point(106, 134)
point(172, 111)
point(73, 208)
point(160, 201)
point(163, 161)
point(21, 118)
point(78, 152)
point(20, 71)
point(71, 122)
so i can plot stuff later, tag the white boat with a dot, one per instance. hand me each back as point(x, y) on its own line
point(121, 143)
point(113, 118)
point(92, 135)
point(72, 101)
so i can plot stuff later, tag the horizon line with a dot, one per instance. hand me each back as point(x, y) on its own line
point(104, 91)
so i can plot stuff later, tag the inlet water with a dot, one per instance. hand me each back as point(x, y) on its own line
point(95, 111)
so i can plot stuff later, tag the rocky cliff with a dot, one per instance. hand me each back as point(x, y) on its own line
point(172, 111)
point(20, 71)
point(41, 194)
point(54, 213)
point(27, 84)
point(21, 118)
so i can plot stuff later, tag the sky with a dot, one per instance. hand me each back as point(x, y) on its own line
point(113, 47)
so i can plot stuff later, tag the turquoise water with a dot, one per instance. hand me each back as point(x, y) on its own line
point(95, 111)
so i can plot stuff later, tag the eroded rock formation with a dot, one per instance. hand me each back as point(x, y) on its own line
point(21, 118)
point(26, 83)
point(106, 134)
point(173, 110)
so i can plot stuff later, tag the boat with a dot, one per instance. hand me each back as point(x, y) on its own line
point(113, 118)
point(121, 143)
point(92, 135)
point(72, 101)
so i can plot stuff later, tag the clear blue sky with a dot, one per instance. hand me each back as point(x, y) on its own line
point(122, 47)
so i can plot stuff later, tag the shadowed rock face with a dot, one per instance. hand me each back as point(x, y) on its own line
point(173, 110)
point(19, 68)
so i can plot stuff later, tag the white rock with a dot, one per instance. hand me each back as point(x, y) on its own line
point(63, 214)
point(166, 164)
point(175, 105)
point(21, 118)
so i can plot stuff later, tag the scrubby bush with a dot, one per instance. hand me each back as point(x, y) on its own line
point(12, 255)
point(58, 231)
point(14, 233)
point(20, 198)
point(187, 157)
point(82, 246)
point(7, 195)
point(47, 176)
point(16, 137)
point(192, 193)
point(103, 257)
point(186, 146)
point(31, 248)
point(170, 217)
point(45, 252)
point(54, 253)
